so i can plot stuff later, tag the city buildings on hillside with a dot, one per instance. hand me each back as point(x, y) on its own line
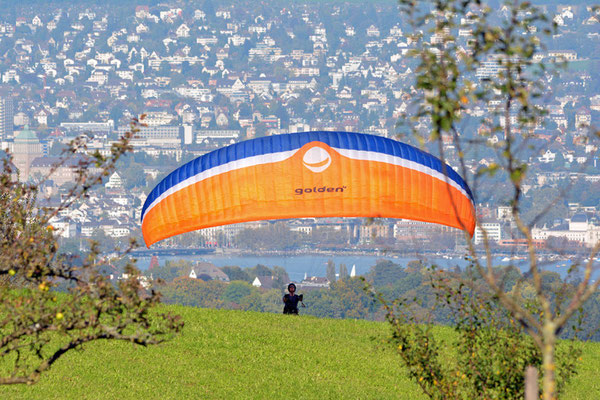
point(26, 148)
point(204, 78)
point(577, 229)
point(6, 118)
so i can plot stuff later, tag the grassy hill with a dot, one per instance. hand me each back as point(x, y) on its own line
point(232, 354)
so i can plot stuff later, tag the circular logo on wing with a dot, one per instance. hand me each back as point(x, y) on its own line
point(317, 159)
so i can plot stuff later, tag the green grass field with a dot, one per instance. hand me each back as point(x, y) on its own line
point(246, 355)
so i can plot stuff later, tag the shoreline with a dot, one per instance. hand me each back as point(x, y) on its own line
point(393, 253)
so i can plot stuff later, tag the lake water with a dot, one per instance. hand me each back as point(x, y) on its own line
point(315, 265)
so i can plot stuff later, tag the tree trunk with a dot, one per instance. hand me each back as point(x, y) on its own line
point(532, 391)
point(549, 367)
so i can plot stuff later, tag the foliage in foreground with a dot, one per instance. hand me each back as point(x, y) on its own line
point(448, 89)
point(39, 325)
point(492, 352)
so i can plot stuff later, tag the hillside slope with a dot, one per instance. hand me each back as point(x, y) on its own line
point(232, 354)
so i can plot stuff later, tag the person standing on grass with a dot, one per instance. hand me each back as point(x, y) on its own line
point(291, 300)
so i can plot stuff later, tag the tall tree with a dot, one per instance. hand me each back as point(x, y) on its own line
point(343, 271)
point(330, 271)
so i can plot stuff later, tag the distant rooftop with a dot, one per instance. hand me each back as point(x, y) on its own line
point(26, 135)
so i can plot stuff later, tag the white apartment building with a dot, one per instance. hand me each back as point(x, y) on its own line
point(492, 229)
point(579, 230)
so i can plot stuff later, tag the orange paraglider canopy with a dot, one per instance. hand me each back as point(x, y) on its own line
point(309, 174)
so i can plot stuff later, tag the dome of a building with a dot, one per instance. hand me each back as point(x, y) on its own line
point(26, 135)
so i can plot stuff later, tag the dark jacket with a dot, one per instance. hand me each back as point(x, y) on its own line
point(291, 304)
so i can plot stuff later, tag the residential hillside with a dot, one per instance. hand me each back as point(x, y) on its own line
point(206, 74)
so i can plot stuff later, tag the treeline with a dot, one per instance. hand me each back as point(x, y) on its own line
point(347, 297)
point(239, 294)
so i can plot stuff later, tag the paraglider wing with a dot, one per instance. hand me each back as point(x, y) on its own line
point(309, 174)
